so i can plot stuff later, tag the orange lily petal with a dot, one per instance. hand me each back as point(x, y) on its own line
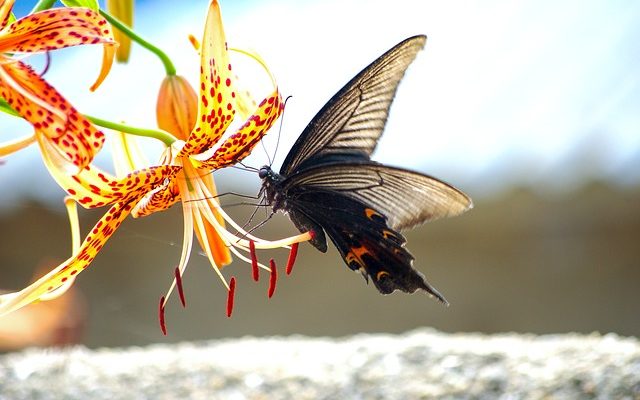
point(54, 29)
point(123, 10)
point(92, 244)
point(239, 145)
point(134, 185)
point(71, 134)
point(159, 199)
point(74, 222)
point(59, 28)
point(12, 146)
point(220, 252)
point(93, 187)
point(108, 54)
point(216, 108)
point(5, 12)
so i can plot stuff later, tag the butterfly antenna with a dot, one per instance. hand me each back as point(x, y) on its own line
point(246, 196)
point(248, 167)
point(265, 151)
point(284, 108)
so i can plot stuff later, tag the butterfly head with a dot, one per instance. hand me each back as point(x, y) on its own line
point(265, 171)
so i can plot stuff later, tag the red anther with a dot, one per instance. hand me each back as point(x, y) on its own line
point(292, 258)
point(312, 234)
point(179, 284)
point(163, 327)
point(254, 261)
point(273, 277)
point(230, 295)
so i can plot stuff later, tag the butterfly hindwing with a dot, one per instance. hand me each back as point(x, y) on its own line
point(351, 123)
point(364, 240)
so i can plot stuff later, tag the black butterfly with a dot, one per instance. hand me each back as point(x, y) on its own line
point(328, 182)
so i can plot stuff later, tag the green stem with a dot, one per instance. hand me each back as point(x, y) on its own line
point(168, 65)
point(163, 136)
point(42, 5)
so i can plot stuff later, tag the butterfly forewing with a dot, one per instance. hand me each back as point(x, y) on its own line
point(352, 121)
point(405, 197)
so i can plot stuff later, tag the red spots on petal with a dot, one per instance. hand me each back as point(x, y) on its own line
point(292, 258)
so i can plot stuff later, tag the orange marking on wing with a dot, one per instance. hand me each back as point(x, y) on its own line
point(355, 255)
point(380, 274)
point(370, 213)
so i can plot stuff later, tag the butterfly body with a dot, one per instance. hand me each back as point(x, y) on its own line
point(329, 185)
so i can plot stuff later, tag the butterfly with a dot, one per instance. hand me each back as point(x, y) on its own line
point(329, 185)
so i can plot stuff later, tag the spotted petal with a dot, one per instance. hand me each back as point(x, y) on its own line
point(239, 145)
point(5, 12)
point(92, 244)
point(94, 188)
point(217, 105)
point(70, 133)
point(59, 28)
point(159, 199)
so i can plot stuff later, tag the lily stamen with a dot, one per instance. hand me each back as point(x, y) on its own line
point(230, 295)
point(254, 261)
point(163, 326)
point(273, 278)
point(179, 284)
point(292, 258)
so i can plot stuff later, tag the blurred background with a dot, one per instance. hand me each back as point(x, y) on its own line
point(532, 108)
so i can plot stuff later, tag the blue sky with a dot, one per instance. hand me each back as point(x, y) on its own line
point(533, 93)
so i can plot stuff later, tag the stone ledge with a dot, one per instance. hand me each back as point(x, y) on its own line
point(419, 364)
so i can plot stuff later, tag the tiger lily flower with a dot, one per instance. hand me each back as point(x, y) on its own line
point(184, 174)
point(55, 120)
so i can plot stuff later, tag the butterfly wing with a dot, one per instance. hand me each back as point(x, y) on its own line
point(363, 238)
point(406, 198)
point(351, 123)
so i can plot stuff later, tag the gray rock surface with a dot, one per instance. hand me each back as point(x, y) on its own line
point(421, 364)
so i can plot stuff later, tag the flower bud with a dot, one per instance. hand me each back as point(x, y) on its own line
point(177, 106)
